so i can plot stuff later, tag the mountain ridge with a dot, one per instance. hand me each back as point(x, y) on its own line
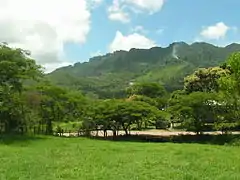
point(108, 75)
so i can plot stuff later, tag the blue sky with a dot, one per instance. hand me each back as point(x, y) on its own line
point(181, 20)
point(80, 29)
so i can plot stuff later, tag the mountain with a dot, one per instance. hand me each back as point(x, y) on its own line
point(107, 76)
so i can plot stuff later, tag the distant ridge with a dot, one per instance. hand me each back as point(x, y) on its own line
point(108, 75)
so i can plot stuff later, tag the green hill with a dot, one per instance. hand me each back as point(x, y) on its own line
point(108, 76)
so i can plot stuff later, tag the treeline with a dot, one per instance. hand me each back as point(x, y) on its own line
point(28, 103)
point(210, 98)
point(31, 104)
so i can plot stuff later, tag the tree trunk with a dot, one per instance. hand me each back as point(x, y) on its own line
point(139, 125)
point(126, 130)
point(6, 127)
point(49, 130)
point(34, 130)
point(146, 124)
point(105, 133)
point(114, 133)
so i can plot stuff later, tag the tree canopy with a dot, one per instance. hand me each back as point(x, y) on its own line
point(30, 103)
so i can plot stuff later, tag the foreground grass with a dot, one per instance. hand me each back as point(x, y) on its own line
point(52, 158)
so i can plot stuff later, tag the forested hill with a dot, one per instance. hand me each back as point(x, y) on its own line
point(108, 76)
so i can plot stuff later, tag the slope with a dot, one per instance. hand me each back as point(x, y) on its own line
point(107, 76)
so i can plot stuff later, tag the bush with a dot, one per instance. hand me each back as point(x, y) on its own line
point(160, 124)
point(234, 142)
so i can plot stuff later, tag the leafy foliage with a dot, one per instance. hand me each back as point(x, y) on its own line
point(205, 79)
point(152, 90)
point(122, 114)
point(15, 67)
point(210, 96)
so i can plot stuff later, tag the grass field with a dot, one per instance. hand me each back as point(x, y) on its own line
point(53, 158)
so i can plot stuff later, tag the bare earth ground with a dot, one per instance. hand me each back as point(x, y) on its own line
point(152, 132)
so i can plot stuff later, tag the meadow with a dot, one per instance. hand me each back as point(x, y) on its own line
point(58, 158)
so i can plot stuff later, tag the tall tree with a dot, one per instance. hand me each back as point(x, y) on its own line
point(230, 89)
point(15, 68)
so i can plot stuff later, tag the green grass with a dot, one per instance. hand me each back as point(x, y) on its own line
point(52, 158)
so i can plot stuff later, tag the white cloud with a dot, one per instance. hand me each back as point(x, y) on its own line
point(43, 27)
point(151, 6)
point(94, 3)
point(116, 12)
point(119, 16)
point(216, 31)
point(97, 1)
point(120, 9)
point(134, 40)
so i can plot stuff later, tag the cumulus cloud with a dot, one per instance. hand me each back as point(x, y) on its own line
point(94, 3)
point(43, 27)
point(117, 13)
point(135, 40)
point(120, 9)
point(216, 31)
point(151, 6)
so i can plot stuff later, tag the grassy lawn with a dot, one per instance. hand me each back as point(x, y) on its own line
point(52, 158)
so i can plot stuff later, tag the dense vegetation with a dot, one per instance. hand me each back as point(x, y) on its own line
point(107, 76)
point(31, 104)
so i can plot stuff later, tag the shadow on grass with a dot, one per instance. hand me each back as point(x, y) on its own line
point(200, 139)
point(9, 139)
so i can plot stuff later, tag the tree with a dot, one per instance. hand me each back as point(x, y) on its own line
point(174, 105)
point(195, 109)
point(205, 79)
point(151, 93)
point(230, 90)
point(115, 114)
point(152, 90)
point(58, 104)
point(15, 68)
point(145, 99)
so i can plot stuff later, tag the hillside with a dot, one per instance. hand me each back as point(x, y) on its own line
point(107, 76)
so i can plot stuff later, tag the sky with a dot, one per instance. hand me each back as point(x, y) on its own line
point(62, 32)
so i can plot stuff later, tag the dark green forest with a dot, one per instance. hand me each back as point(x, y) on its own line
point(196, 87)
